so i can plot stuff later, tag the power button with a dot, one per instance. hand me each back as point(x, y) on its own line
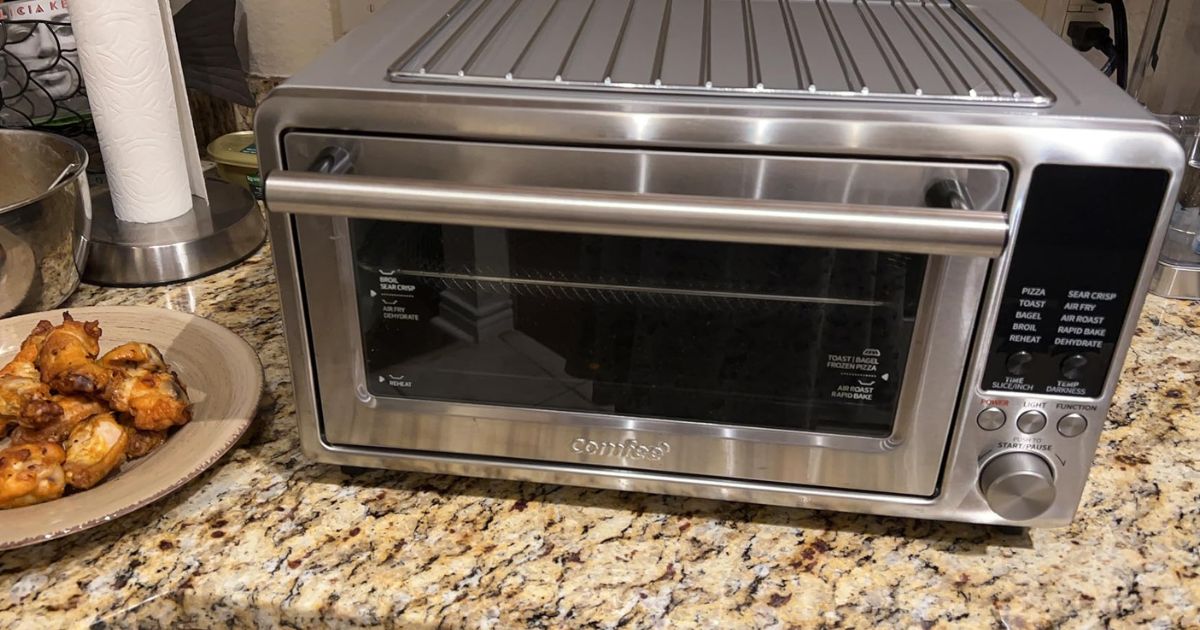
point(991, 419)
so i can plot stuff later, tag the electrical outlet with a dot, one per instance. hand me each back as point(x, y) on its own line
point(1058, 14)
point(351, 13)
point(1087, 11)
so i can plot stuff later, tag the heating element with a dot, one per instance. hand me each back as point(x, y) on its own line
point(928, 50)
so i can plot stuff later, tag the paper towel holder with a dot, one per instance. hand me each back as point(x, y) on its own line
point(224, 224)
point(215, 234)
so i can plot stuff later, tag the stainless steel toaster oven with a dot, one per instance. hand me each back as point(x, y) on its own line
point(872, 255)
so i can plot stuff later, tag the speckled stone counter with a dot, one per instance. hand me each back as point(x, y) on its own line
point(269, 538)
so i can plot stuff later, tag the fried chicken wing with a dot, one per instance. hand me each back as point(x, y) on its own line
point(141, 443)
point(24, 398)
point(134, 355)
point(67, 360)
point(74, 410)
point(30, 474)
point(59, 398)
point(96, 448)
point(24, 364)
point(156, 400)
point(26, 401)
point(40, 413)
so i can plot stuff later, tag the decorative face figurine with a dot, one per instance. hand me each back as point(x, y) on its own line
point(39, 68)
point(47, 48)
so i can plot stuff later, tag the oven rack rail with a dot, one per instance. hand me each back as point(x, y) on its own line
point(624, 294)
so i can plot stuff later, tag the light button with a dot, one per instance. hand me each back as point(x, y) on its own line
point(991, 419)
point(1072, 425)
point(1031, 421)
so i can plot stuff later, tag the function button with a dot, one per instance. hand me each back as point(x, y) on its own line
point(991, 419)
point(1031, 421)
point(1018, 363)
point(1072, 367)
point(1072, 425)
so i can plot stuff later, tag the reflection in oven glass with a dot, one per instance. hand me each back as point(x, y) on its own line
point(750, 335)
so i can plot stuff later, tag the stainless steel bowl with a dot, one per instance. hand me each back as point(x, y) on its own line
point(45, 219)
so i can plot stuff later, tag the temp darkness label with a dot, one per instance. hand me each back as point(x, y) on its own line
point(1081, 245)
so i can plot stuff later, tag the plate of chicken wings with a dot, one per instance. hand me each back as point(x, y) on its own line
point(104, 410)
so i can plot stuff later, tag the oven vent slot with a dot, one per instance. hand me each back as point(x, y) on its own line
point(890, 50)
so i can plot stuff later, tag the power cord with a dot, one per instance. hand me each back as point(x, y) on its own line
point(1087, 36)
point(1121, 35)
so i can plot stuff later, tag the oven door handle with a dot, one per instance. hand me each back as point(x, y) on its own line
point(954, 230)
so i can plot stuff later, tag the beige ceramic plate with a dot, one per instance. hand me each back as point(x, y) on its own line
point(223, 378)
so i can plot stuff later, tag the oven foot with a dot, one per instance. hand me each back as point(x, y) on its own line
point(354, 471)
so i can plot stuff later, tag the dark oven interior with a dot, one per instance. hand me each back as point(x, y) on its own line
point(750, 335)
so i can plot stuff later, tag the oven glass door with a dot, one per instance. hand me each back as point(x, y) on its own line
point(793, 338)
point(457, 330)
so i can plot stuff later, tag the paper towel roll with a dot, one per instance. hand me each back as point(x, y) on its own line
point(126, 68)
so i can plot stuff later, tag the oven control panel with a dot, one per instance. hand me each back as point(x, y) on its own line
point(1080, 247)
point(1028, 422)
point(1032, 452)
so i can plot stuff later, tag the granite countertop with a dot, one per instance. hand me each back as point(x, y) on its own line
point(267, 537)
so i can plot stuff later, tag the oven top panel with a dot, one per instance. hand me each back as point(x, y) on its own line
point(874, 50)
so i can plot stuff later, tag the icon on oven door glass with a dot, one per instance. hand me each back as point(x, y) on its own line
point(857, 378)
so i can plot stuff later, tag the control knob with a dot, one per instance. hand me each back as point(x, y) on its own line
point(1017, 486)
point(1073, 367)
